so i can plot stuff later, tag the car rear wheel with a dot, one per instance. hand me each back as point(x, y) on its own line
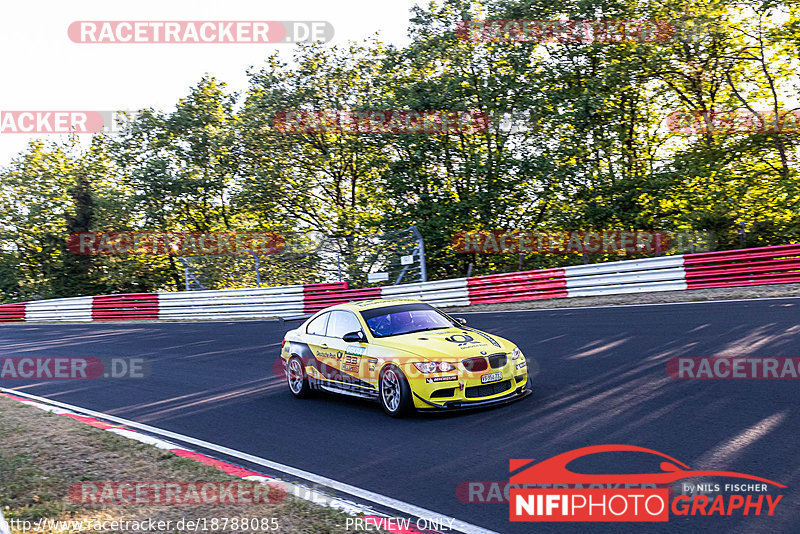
point(395, 393)
point(297, 378)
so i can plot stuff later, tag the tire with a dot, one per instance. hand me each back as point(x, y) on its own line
point(394, 392)
point(297, 379)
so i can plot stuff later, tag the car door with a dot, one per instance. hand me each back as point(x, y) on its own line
point(321, 357)
point(350, 356)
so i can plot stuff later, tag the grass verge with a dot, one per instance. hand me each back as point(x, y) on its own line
point(43, 454)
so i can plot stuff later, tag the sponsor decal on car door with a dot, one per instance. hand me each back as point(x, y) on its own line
point(325, 364)
point(349, 356)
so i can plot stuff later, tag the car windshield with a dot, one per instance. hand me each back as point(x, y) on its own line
point(404, 319)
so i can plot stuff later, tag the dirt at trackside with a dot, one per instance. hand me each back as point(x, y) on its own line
point(43, 454)
point(691, 295)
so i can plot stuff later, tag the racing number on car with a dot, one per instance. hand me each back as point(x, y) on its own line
point(350, 363)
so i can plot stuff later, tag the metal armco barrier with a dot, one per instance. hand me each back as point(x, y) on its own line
point(13, 313)
point(633, 276)
point(320, 296)
point(227, 304)
point(526, 285)
point(731, 268)
point(766, 265)
point(123, 307)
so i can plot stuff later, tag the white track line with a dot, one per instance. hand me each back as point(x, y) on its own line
point(382, 500)
point(573, 308)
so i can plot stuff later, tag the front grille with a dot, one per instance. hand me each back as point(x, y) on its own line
point(498, 360)
point(446, 392)
point(475, 364)
point(487, 390)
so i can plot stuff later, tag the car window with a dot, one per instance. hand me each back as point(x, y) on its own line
point(341, 323)
point(404, 319)
point(317, 326)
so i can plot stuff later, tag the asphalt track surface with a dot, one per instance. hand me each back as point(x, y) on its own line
point(601, 380)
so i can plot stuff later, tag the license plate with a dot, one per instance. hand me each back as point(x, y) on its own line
point(491, 377)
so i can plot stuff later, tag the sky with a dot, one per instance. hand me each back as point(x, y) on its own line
point(42, 69)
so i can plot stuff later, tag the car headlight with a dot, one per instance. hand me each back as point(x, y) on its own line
point(516, 353)
point(434, 367)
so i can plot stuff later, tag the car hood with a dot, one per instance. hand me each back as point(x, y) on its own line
point(449, 344)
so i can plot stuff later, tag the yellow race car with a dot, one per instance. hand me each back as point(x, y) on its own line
point(404, 353)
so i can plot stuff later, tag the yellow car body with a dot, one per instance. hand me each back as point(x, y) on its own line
point(444, 364)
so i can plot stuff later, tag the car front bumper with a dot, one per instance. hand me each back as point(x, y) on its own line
point(463, 390)
point(467, 404)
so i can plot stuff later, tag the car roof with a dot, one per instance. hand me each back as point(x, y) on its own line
point(362, 305)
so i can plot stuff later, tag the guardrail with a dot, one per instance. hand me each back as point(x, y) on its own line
point(526, 285)
point(633, 276)
point(232, 303)
point(766, 265)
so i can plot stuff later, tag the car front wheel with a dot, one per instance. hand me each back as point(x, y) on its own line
point(395, 393)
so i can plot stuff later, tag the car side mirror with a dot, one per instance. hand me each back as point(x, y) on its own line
point(354, 337)
point(460, 320)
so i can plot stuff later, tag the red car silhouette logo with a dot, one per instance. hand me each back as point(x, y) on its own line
point(554, 470)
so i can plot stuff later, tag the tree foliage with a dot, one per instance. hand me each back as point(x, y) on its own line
point(578, 138)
